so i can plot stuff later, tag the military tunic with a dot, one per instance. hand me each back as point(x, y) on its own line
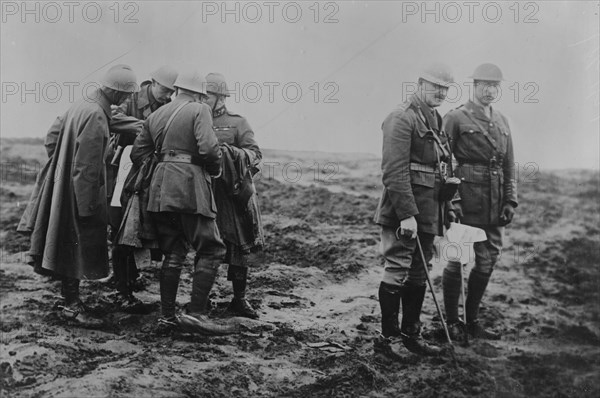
point(413, 146)
point(484, 151)
point(410, 191)
point(180, 194)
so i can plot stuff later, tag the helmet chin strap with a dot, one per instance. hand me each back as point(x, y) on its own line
point(214, 107)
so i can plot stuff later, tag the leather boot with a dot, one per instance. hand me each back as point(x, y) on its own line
point(202, 283)
point(119, 264)
point(477, 284)
point(389, 302)
point(239, 305)
point(451, 285)
point(169, 283)
point(74, 310)
point(412, 303)
point(197, 320)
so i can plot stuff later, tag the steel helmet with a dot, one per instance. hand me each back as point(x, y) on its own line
point(121, 78)
point(216, 84)
point(488, 72)
point(165, 75)
point(191, 80)
point(439, 74)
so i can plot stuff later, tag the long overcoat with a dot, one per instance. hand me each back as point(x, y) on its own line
point(67, 212)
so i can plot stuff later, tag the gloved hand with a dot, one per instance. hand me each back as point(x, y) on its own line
point(408, 227)
point(458, 212)
point(453, 214)
point(507, 214)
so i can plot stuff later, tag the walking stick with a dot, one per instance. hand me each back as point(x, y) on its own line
point(437, 305)
point(464, 302)
point(463, 298)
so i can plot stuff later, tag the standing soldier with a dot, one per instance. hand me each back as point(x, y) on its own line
point(152, 95)
point(67, 214)
point(238, 216)
point(482, 144)
point(181, 202)
point(414, 151)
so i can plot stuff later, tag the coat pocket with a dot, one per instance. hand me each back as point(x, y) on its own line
point(474, 190)
point(467, 128)
point(425, 192)
point(422, 178)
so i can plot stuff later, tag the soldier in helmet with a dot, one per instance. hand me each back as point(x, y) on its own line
point(239, 220)
point(181, 202)
point(153, 94)
point(67, 214)
point(482, 145)
point(414, 151)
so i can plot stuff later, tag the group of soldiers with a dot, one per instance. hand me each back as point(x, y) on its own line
point(189, 186)
point(421, 152)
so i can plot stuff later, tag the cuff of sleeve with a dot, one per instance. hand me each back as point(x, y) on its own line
point(404, 205)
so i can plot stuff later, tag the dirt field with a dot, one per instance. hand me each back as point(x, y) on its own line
point(318, 284)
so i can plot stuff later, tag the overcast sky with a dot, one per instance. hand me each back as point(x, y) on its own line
point(319, 76)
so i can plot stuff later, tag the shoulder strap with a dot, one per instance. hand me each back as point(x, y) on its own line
point(162, 135)
point(483, 130)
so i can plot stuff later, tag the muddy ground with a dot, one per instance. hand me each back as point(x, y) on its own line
point(318, 284)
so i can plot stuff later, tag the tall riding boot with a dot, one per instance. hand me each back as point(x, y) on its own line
point(136, 283)
point(204, 279)
point(198, 321)
point(125, 301)
point(119, 262)
point(239, 280)
point(169, 283)
point(451, 282)
point(412, 303)
point(477, 284)
point(389, 302)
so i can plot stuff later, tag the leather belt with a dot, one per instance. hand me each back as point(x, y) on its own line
point(427, 168)
point(179, 157)
point(490, 165)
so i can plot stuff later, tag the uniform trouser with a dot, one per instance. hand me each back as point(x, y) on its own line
point(177, 232)
point(403, 263)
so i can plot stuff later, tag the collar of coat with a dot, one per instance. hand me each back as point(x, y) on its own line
point(185, 96)
point(220, 111)
point(101, 99)
point(478, 111)
point(427, 114)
